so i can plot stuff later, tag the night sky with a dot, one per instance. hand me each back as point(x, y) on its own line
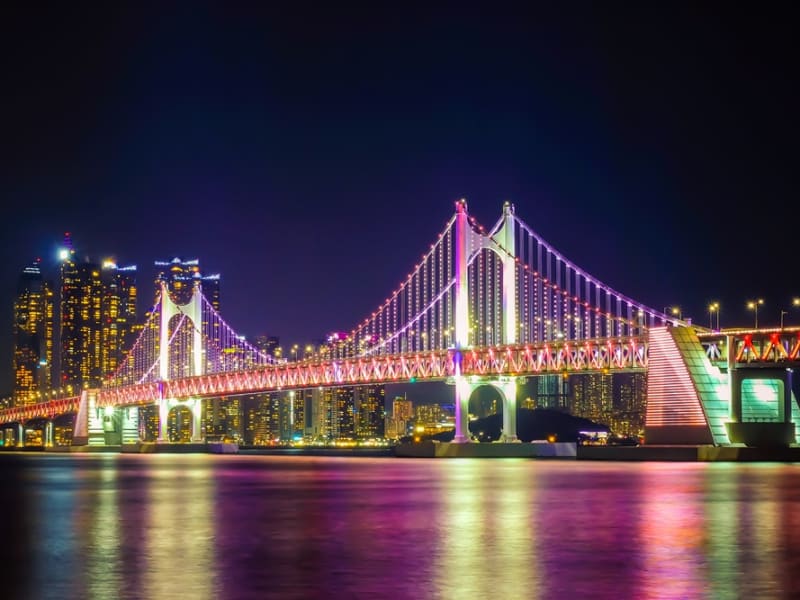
point(311, 153)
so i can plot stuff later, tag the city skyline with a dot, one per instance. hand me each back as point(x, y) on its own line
point(326, 153)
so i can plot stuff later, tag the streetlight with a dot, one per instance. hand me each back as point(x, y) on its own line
point(713, 308)
point(795, 303)
point(753, 305)
point(675, 311)
point(294, 352)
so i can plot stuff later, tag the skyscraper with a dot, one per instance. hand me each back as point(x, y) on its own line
point(181, 275)
point(119, 324)
point(81, 303)
point(402, 413)
point(371, 411)
point(336, 413)
point(33, 336)
point(97, 315)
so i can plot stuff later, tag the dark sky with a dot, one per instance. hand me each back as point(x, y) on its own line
point(310, 153)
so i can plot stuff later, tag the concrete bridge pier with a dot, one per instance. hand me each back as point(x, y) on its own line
point(756, 420)
point(195, 407)
point(508, 393)
point(163, 416)
point(462, 392)
point(466, 386)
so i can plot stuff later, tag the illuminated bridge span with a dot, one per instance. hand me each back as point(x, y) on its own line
point(482, 306)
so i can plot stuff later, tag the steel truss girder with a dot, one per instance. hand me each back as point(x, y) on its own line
point(602, 356)
point(767, 346)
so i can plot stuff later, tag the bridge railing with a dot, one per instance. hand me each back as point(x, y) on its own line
point(748, 346)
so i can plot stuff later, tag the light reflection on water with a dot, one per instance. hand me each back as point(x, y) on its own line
point(202, 526)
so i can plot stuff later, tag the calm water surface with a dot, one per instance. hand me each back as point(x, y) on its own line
point(236, 526)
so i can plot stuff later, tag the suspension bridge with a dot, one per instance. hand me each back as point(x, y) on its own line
point(482, 307)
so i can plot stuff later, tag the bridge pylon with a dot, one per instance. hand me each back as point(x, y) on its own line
point(502, 244)
point(194, 311)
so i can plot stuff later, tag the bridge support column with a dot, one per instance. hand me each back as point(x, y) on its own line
point(508, 391)
point(80, 434)
point(463, 391)
point(48, 435)
point(197, 420)
point(163, 415)
point(20, 435)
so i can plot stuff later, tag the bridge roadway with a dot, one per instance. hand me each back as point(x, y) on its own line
point(746, 347)
point(622, 354)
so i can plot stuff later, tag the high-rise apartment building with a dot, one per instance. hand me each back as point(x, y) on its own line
point(119, 323)
point(33, 336)
point(268, 344)
point(297, 400)
point(552, 391)
point(371, 411)
point(182, 275)
point(81, 325)
point(402, 414)
point(97, 319)
point(337, 409)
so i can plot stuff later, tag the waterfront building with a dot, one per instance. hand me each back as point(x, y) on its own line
point(97, 319)
point(591, 396)
point(148, 423)
point(297, 409)
point(552, 391)
point(398, 422)
point(180, 276)
point(256, 419)
point(371, 411)
point(268, 344)
point(428, 415)
point(630, 395)
point(314, 430)
point(81, 301)
point(340, 413)
point(119, 320)
point(179, 424)
point(33, 336)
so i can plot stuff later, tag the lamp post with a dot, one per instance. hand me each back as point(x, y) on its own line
point(713, 308)
point(795, 304)
point(753, 305)
point(294, 352)
point(675, 311)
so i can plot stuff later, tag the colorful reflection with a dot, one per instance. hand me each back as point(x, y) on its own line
point(672, 538)
point(202, 526)
point(179, 542)
point(486, 538)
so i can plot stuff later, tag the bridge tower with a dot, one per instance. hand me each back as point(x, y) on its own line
point(194, 311)
point(502, 244)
